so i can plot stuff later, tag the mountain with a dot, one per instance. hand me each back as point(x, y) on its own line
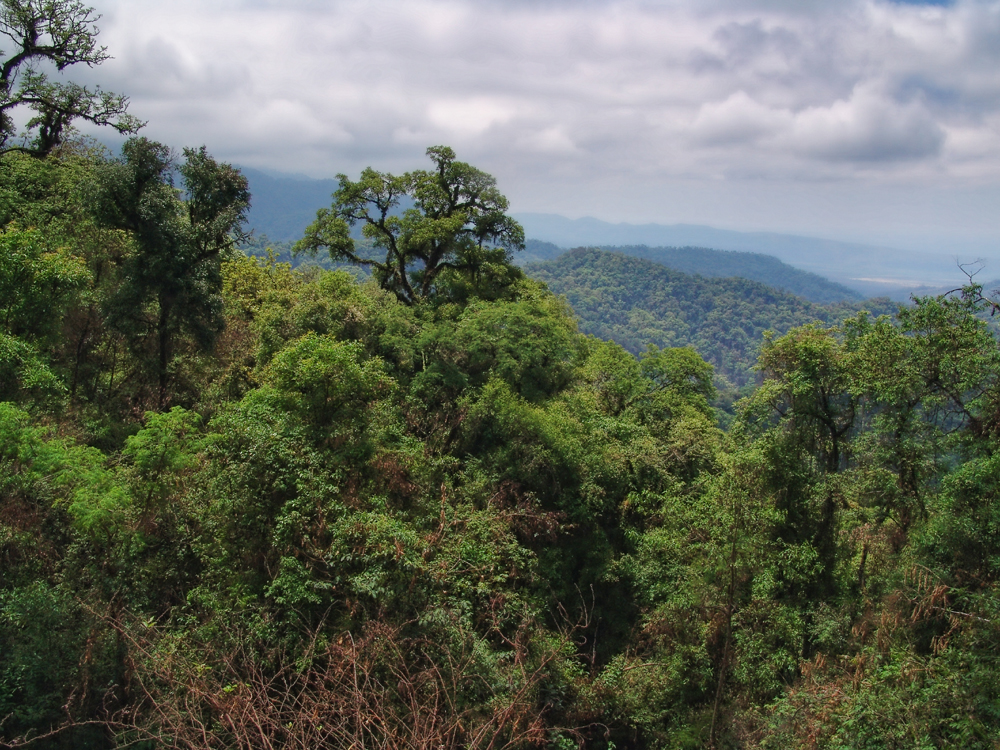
point(753, 266)
point(636, 302)
point(283, 206)
point(868, 269)
point(718, 264)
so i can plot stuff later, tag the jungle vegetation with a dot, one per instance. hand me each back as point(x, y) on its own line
point(635, 302)
point(701, 261)
point(249, 506)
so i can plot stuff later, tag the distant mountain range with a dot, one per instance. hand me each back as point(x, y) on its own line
point(821, 270)
point(281, 207)
point(871, 270)
point(715, 264)
point(636, 302)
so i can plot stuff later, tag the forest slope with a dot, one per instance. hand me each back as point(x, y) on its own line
point(298, 510)
point(720, 264)
point(244, 505)
point(636, 302)
point(753, 266)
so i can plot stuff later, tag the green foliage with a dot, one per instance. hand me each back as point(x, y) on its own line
point(44, 632)
point(37, 285)
point(637, 302)
point(61, 33)
point(453, 519)
point(25, 375)
point(320, 382)
point(35, 282)
point(456, 238)
point(49, 469)
point(529, 344)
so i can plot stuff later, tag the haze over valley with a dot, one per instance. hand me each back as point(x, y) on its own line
point(285, 204)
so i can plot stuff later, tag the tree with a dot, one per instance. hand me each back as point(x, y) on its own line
point(172, 283)
point(59, 33)
point(37, 285)
point(456, 233)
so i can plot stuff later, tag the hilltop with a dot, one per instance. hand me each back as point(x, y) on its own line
point(636, 302)
point(869, 269)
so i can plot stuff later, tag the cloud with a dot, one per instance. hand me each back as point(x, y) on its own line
point(739, 121)
point(867, 128)
point(469, 116)
point(580, 94)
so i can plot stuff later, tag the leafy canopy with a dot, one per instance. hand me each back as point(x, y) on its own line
point(172, 282)
point(456, 236)
point(59, 33)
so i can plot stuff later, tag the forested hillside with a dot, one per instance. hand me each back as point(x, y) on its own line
point(871, 269)
point(425, 510)
point(249, 506)
point(636, 302)
point(721, 264)
point(753, 266)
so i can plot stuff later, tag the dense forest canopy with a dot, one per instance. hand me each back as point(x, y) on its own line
point(702, 261)
point(636, 302)
point(338, 516)
point(247, 506)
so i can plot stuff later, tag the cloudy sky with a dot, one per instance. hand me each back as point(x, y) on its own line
point(857, 119)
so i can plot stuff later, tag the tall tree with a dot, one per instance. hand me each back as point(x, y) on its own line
point(456, 231)
point(172, 282)
point(59, 33)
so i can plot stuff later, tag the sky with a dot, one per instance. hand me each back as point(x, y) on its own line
point(863, 120)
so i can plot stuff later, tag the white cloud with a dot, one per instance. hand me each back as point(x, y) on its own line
point(469, 116)
point(581, 93)
point(551, 140)
point(867, 128)
point(738, 121)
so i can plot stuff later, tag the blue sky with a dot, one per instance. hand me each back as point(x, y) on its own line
point(861, 119)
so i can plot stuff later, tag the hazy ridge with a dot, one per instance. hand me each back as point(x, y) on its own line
point(636, 302)
point(868, 269)
point(283, 205)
